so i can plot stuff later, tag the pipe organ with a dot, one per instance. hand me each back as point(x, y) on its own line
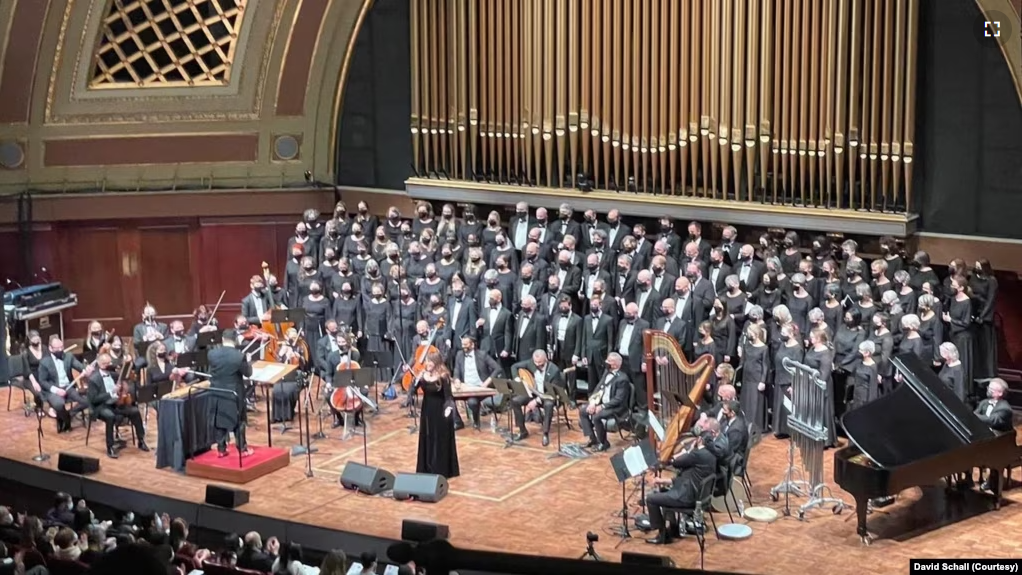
point(807, 103)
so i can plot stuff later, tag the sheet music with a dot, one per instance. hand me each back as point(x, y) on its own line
point(654, 423)
point(787, 403)
point(635, 461)
point(267, 372)
point(390, 570)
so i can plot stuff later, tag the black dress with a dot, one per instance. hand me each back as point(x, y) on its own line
point(799, 308)
point(961, 335)
point(953, 377)
point(701, 348)
point(984, 290)
point(438, 450)
point(823, 361)
point(316, 312)
point(832, 316)
point(755, 370)
point(781, 382)
point(864, 385)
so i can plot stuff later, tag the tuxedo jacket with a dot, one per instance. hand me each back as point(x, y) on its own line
point(598, 342)
point(499, 336)
point(188, 340)
point(704, 294)
point(618, 393)
point(551, 374)
point(97, 395)
point(679, 329)
point(572, 344)
point(723, 271)
point(650, 309)
point(755, 274)
point(534, 288)
point(534, 336)
point(465, 323)
point(486, 366)
point(667, 280)
point(49, 365)
point(607, 258)
point(634, 345)
point(1000, 418)
point(138, 334)
point(737, 432)
point(561, 228)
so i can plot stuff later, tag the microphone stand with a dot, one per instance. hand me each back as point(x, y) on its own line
point(40, 413)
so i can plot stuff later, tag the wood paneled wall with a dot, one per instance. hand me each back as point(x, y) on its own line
point(116, 267)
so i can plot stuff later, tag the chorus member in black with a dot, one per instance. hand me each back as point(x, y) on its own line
point(438, 449)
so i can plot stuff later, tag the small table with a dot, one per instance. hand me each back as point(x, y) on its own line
point(265, 374)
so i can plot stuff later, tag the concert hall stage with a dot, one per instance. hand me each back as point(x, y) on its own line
point(520, 501)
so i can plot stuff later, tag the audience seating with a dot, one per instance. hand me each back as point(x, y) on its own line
point(209, 568)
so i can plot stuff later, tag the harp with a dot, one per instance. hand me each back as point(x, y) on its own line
point(673, 376)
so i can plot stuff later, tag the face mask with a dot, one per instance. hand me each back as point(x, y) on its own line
point(692, 277)
point(467, 350)
point(301, 234)
point(162, 355)
point(718, 309)
point(564, 265)
point(309, 268)
point(849, 322)
point(593, 267)
point(526, 279)
point(423, 214)
point(458, 293)
point(475, 258)
point(377, 295)
point(541, 220)
point(35, 343)
point(96, 332)
point(392, 217)
point(522, 214)
point(597, 292)
point(473, 243)
point(630, 318)
point(436, 304)
point(500, 242)
point(58, 354)
point(346, 293)
point(492, 222)
point(527, 310)
point(612, 223)
point(594, 308)
point(315, 291)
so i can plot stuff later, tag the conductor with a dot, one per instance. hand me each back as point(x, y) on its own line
point(227, 369)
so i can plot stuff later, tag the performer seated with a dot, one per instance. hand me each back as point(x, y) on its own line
point(725, 392)
point(734, 427)
point(111, 404)
point(343, 358)
point(608, 400)
point(475, 369)
point(161, 366)
point(694, 465)
point(228, 368)
point(995, 411)
point(546, 376)
point(57, 382)
point(146, 332)
point(179, 341)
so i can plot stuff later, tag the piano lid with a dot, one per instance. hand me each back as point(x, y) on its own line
point(920, 419)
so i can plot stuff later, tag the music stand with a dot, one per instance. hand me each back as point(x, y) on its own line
point(503, 387)
point(193, 360)
point(356, 380)
point(562, 398)
point(142, 347)
point(294, 316)
point(207, 339)
point(517, 389)
point(629, 463)
point(378, 358)
point(146, 394)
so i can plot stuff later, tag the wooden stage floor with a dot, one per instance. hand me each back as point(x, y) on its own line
point(520, 501)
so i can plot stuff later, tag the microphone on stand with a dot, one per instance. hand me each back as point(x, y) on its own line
point(10, 282)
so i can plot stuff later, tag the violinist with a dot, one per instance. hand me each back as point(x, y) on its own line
point(107, 401)
point(289, 350)
point(343, 357)
point(202, 321)
point(694, 465)
point(256, 305)
point(117, 353)
point(161, 366)
point(57, 383)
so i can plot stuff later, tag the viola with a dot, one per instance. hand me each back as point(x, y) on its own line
point(419, 365)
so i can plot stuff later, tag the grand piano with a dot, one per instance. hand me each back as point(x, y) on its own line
point(916, 436)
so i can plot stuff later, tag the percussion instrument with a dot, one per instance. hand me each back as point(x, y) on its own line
point(761, 514)
point(734, 531)
point(461, 392)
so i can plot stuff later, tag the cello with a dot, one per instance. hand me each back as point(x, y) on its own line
point(419, 364)
point(344, 399)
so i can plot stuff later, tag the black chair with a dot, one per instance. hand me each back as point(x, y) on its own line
point(18, 369)
point(704, 500)
point(742, 469)
point(119, 422)
point(624, 423)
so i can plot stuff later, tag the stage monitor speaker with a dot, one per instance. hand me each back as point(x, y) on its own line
point(365, 479)
point(423, 531)
point(225, 496)
point(77, 464)
point(424, 487)
point(630, 558)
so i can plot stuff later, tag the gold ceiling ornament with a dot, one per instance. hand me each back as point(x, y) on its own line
point(167, 43)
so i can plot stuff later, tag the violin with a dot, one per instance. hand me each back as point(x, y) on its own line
point(124, 395)
point(419, 365)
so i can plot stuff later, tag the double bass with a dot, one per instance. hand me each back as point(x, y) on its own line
point(418, 366)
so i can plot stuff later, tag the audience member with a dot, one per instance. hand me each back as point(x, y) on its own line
point(253, 556)
point(291, 562)
point(67, 545)
point(62, 512)
point(134, 559)
point(335, 563)
point(9, 531)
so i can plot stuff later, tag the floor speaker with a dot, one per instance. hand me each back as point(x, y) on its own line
point(71, 463)
point(423, 531)
point(645, 559)
point(424, 487)
point(365, 479)
point(225, 496)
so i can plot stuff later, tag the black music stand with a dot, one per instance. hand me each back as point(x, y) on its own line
point(294, 316)
point(207, 339)
point(503, 387)
point(516, 389)
point(193, 360)
point(377, 358)
point(561, 397)
point(146, 394)
point(628, 463)
point(141, 348)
